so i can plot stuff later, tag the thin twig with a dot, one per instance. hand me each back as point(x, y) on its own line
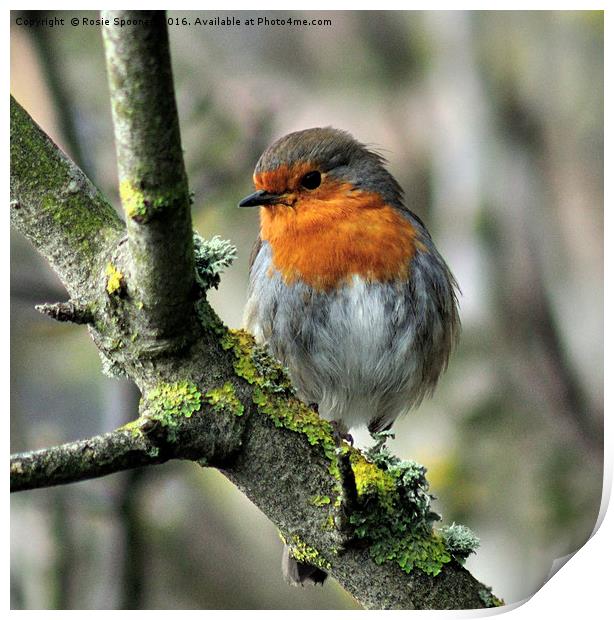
point(82, 460)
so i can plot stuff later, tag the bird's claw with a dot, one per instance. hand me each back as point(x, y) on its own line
point(340, 433)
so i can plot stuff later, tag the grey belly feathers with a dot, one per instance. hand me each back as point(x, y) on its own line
point(366, 352)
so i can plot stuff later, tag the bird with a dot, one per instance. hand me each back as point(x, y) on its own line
point(346, 287)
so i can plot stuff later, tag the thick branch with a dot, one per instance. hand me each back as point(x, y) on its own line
point(56, 206)
point(153, 182)
point(281, 472)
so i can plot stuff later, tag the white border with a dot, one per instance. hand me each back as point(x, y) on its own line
point(581, 586)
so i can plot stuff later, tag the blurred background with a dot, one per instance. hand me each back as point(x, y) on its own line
point(493, 124)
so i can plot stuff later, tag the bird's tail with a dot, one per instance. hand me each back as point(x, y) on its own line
point(299, 573)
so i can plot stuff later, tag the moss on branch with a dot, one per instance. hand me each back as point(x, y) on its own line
point(56, 207)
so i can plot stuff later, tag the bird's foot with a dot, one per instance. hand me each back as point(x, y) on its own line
point(340, 433)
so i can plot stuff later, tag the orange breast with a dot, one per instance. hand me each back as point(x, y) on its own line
point(325, 242)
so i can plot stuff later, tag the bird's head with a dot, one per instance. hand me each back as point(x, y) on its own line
point(322, 169)
point(331, 211)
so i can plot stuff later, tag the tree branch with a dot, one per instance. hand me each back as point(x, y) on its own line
point(57, 207)
point(282, 473)
point(82, 460)
point(153, 182)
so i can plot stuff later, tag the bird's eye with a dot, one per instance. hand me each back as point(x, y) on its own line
point(311, 180)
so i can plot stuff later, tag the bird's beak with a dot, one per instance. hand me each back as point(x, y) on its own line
point(259, 198)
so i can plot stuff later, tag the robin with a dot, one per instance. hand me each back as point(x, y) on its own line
point(346, 286)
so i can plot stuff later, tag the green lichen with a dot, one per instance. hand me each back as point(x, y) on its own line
point(272, 391)
point(211, 257)
point(141, 205)
point(489, 599)
point(68, 204)
point(78, 220)
point(254, 363)
point(273, 377)
point(298, 417)
point(394, 512)
point(394, 507)
point(134, 426)
point(460, 541)
point(208, 318)
point(242, 344)
point(379, 452)
point(329, 523)
point(371, 480)
point(115, 279)
point(224, 400)
point(65, 201)
point(302, 552)
point(320, 500)
point(167, 403)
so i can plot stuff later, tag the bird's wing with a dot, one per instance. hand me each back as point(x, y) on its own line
point(254, 252)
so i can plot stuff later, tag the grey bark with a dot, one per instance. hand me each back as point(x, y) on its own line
point(153, 181)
